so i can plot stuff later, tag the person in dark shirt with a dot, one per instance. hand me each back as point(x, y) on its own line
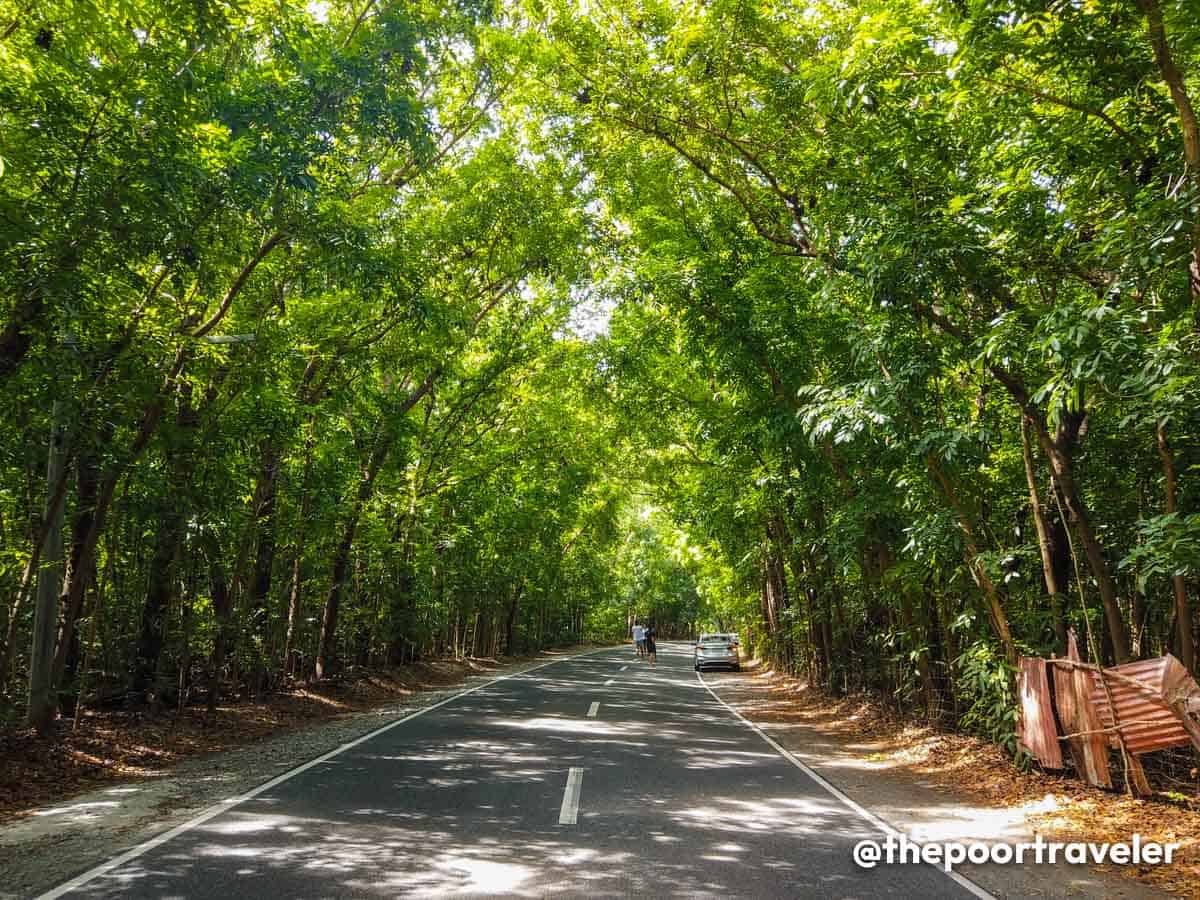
point(651, 650)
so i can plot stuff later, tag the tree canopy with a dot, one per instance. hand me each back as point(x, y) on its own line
point(341, 334)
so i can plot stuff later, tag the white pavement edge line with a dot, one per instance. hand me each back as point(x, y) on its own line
point(593, 709)
point(569, 813)
point(223, 805)
point(871, 817)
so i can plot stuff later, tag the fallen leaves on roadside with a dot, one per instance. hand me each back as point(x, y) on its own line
point(1059, 807)
point(114, 744)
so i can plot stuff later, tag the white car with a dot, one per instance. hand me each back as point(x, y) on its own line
point(716, 650)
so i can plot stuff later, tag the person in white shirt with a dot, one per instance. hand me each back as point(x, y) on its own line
point(639, 639)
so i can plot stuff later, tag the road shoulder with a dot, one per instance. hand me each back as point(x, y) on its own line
point(57, 842)
point(919, 805)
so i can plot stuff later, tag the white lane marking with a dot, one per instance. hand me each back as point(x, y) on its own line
point(593, 709)
point(222, 806)
point(569, 813)
point(961, 880)
point(610, 681)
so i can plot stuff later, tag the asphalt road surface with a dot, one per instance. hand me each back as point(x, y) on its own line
point(593, 776)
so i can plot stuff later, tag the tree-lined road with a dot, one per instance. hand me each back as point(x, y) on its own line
point(592, 776)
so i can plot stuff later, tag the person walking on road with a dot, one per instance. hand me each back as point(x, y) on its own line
point(651, 650)
point(639, 639)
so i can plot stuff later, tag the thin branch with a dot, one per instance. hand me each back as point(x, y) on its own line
point(240, 282)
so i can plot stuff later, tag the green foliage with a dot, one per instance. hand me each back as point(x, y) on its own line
point(476, 328)
point(987, 684)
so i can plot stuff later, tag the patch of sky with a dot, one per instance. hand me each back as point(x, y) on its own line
point(319, 10)
point(591, 312)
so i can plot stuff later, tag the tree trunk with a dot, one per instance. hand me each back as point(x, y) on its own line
point(341, 558)
point(112, 477)
point(71, 602)
point(42, 701)
point(1058, 449)
point(995, 606)
point(918, 642)
point(1055, 589)
point(14, 613)
point(222, 608)
point(1189, 126)
point(326, 656)
point(1183, 607)
point(168, 539)
point(264, 561)
point(294, 594)
point(831, 606)
point(510, 622)
point(1064, 475)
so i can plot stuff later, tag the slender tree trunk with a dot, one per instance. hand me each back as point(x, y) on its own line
point(71, 602)
point(151, 416)
point(1058, 449)
point(918, 641)
point(783, 601)
point(184, 683)
point(329, 618)
point(831, 606)
point(222, 613)
point(341, 558)
point(264, 561)
point(1050, 572)
point(1188, 124)
point(14, 613)
point(1183, 607)
point(42, 701)
point(510, 621)
point(294, 595)
point(1058, 452)
point(1064, 475)
point(168, 540)
point(995, 606)
point(326, 655)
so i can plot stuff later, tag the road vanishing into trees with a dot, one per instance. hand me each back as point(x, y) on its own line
point(591, 776)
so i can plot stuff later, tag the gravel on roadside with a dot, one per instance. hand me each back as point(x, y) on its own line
point(59, 842)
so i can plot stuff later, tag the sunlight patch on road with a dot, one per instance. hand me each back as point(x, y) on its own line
point(566, 726)
point(79, 811)
point(248, 824)
point(463, 874)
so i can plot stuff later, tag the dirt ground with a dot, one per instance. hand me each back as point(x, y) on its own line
point(975, 773)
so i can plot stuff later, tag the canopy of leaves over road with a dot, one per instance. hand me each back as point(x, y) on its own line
point(340, 334)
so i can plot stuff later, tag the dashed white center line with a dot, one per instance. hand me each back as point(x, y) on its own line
point(570, 805)
point(610, 681)
point(593, 709)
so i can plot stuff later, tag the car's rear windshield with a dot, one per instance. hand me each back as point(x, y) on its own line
point(714, 639)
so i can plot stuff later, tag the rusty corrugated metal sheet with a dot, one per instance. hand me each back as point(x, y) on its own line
point(1072, 688)
point(1147, 722)
point(1037, 729)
